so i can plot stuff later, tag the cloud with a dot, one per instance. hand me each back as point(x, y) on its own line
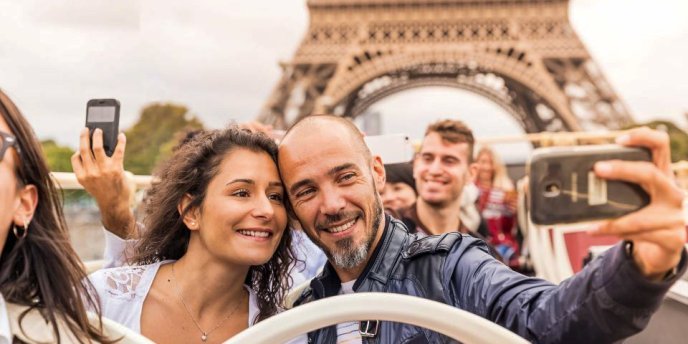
point(641, 48)
point(86, 14)
point(220, 58)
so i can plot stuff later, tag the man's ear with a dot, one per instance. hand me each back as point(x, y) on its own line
point(414, 164)
point(379, 174)
point(192, 217)
point(472, 171)
point(28, 200)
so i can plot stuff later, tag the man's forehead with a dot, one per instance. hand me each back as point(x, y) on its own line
point(435, 140)
point(308, 143)
point(434, 144)
point(310, 150)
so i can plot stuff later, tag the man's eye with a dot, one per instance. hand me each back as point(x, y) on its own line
point(304, 193)
point(347, 176)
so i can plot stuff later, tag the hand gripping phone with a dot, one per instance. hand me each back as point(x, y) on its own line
point(564, 189)
point(104, 114)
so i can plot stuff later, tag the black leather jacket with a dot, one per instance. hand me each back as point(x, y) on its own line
point(608, 301)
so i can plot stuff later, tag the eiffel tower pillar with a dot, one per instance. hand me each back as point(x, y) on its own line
point(522, 54)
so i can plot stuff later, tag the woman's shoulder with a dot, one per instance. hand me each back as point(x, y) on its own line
point(29, 325)
point(124, 282)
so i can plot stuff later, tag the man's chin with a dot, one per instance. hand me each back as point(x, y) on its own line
point(347, 255)
point(435, 201)
point(348, 261)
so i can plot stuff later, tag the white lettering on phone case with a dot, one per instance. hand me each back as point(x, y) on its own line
point(597, 190)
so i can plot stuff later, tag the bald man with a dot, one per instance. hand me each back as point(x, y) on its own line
point(333, 182)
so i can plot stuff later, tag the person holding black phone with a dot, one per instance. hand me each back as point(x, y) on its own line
point(216, 216)
point(333, 182)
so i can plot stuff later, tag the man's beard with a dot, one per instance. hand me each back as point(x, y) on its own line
point(444, 202)
point(347, 255)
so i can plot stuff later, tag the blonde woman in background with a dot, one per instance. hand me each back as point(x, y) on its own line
point(497, 203)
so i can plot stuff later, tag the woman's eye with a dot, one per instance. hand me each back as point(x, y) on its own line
point(241, 193)
point(277, 197)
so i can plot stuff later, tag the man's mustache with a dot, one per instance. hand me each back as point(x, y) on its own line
point(338, 218)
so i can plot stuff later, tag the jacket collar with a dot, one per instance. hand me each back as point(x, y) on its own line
point(411, 219)
point(379, 266)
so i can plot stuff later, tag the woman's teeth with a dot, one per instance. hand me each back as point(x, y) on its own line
point(258, 234)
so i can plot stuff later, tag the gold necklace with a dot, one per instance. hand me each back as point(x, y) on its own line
point(204, 334)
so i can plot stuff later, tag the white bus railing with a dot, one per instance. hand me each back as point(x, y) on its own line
point(68, 180)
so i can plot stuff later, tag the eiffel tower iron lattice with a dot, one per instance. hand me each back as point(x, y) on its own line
point(522, 54)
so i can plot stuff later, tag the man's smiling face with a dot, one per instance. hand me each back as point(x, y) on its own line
point(333, 182)
point(441, 170)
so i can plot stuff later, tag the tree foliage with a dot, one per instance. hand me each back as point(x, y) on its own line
point(677, 137)
point(58, 157)
point(157, 129)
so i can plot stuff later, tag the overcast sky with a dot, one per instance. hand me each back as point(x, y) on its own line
point(219, 58)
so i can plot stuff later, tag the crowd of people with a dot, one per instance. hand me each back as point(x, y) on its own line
point(234, 221)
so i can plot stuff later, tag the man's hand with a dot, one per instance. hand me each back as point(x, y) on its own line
point(103, 177)
point(658, 231)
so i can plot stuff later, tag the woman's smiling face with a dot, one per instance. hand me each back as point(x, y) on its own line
point(243, 216)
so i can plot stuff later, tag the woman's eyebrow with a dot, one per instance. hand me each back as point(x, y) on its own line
point(241, 180)
point(251, 181)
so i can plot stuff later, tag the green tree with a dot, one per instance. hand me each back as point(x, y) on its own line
point(677, 137)
point(59, 157)
point(156, 127)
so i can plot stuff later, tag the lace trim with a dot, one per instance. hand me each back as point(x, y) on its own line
point(122, 283)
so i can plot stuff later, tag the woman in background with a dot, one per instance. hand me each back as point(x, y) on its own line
point(399, 192)
point(497, 204)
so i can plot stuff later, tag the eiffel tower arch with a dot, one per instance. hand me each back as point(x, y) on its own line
point(522, 54)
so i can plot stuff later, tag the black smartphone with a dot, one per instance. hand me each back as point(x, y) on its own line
point(564, 189)
point(104, 114)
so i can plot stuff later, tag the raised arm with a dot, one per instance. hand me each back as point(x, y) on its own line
point(614, 296)
point(103, 177)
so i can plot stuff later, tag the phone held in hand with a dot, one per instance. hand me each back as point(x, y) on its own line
point(564, 188)
point(392, 148)
point(104, 114)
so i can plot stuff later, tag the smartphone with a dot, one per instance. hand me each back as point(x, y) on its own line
point(392, 148)
point(104, 114)
point(564, 189)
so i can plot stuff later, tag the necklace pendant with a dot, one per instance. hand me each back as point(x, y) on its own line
point(204, 337)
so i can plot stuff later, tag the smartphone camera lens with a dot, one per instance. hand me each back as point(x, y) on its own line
point(552, 189)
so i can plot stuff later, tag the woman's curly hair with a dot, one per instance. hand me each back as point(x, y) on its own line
point(189, 171)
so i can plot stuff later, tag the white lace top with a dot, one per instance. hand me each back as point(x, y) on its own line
point(122, 291)
point(122, 288)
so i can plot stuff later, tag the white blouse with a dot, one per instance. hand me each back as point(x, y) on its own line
point(123, 290)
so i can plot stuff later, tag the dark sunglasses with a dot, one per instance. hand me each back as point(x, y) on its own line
point(7, 142)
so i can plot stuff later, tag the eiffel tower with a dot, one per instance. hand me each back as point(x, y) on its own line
point(522, 54)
